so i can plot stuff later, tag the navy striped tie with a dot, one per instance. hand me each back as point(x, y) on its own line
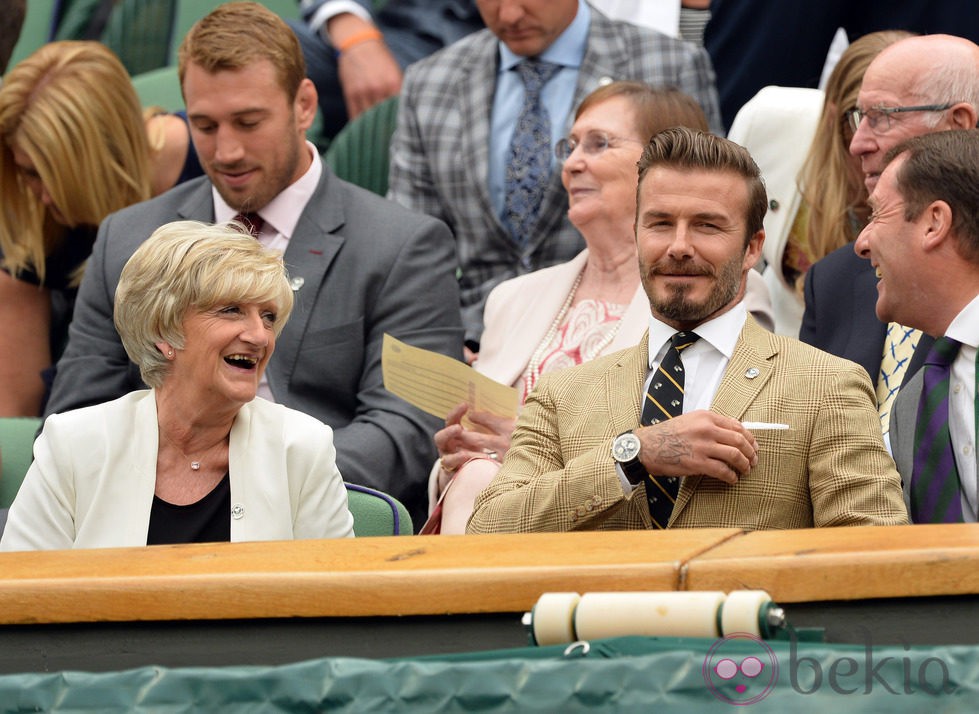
point(664, 400)
point(935, 496)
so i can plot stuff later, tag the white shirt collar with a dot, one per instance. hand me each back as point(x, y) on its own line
point(721, 332)
point(965, 327)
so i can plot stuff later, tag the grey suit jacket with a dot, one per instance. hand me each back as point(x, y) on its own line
point(440, 148)
point(904, 418)
point(368, 267)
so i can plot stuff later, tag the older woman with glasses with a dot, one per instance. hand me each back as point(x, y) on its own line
point(574, 312)
point(196, 458)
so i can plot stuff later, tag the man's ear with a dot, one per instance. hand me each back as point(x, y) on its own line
point(937, 222)
point(963, 116)
point(752, 252)
point(305, 104)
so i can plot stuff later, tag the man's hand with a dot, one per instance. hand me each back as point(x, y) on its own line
point(367, 70)
point(701, 443)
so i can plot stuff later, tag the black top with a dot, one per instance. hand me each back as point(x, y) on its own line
point(192, 164)
point(207, 521)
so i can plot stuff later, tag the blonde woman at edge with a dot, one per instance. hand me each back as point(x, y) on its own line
point(75, 146)
point(570, 313)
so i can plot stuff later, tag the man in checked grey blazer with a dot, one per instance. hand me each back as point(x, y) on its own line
point(360, 265)
point(448, 133)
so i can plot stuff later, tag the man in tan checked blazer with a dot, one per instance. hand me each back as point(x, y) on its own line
point(699, 230)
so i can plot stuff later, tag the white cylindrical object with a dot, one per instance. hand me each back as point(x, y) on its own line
point(742, 612)
point(553, 618)
point(665, 614)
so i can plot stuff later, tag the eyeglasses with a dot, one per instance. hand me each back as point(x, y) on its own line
point(879, 118)
point(593, 144)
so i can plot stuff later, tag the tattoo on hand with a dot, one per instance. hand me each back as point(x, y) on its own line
point(669, 447)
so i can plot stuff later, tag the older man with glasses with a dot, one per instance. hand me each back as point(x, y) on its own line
point(916, 86)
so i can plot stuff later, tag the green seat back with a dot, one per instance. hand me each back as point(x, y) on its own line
point(36, 29)
point(376, 513)
point(139, 32)
point(16, 454)
point(159, 88)
point(360, 153)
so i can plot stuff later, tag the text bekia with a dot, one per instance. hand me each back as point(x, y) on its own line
point(864, 674)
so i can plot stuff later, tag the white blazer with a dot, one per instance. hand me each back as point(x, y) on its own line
point(777, 126)
point(94, 475)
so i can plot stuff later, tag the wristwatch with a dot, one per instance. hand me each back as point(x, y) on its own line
point(625, 451)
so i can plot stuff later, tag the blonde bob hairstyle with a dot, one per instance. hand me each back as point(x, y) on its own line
point(185, 266)
point(71, 108)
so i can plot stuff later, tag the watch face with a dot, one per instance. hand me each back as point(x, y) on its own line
point(625, 447)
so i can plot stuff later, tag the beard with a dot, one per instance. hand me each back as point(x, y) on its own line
point(676, 305)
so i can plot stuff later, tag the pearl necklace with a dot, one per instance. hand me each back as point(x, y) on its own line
point(533, 370)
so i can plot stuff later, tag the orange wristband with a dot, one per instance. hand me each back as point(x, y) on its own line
point(371, 33)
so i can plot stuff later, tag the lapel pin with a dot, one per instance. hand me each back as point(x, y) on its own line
point(751, 372)
point(296, 283)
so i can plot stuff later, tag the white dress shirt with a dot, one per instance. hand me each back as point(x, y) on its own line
point(962, 405)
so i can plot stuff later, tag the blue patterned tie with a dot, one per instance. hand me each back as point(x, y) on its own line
point(528, 167)
point(935, 480)
point(664, 400)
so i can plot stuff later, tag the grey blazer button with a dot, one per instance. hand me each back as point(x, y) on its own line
point(237, 511)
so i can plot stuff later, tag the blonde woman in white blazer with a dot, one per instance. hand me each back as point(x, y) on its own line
point(570, 313)
point(196, 458)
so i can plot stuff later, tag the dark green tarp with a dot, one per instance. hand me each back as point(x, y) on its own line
point(631, 674)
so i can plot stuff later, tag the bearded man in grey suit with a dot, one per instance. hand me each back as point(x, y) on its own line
point(459, 108)
point(360, 265)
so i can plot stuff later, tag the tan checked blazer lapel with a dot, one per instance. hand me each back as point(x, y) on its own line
point(748, 371)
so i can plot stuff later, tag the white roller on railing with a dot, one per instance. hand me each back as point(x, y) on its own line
point(566, 617)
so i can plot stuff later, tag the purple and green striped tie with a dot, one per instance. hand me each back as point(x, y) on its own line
point(935, 496)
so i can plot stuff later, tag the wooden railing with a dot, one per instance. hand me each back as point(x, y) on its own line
point(438, 575)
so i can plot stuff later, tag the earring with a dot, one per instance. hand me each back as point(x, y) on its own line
point(170, 353)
